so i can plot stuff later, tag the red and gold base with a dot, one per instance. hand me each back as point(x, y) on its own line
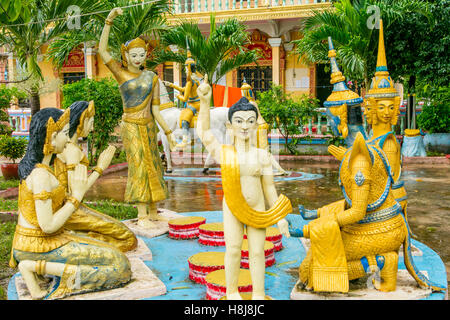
point(185, 228)
point(202, 263)
point(216, 287)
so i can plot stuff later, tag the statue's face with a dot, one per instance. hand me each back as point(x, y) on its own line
point(136, 57)
point(88, 126)
point(187, 69)
point(243, 124)
point(385, 111)
point(60, 138)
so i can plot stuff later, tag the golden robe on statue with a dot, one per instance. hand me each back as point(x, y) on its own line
point(90, 264)
point(145, 182)
point(92, 222)
point(231, 182)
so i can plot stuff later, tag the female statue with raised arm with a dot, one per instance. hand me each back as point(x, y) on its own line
point(247, 180)
point(139, 89)
point(41, 245)
point(87, 220)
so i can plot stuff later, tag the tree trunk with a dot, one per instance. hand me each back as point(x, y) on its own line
point(35, 101)
point(411, 115)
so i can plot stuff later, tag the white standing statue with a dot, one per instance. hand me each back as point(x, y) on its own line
point(247, 180)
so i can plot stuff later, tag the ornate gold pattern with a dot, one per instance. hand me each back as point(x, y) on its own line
point(27, 197)
point(88, 113)
point(74, 201)
point(254, 14)
point(54, 127)
point(323, 268)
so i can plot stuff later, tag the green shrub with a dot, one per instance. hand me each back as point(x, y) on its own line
point(435, 115)
point(108, 109)
point(117, 210)
point(285, 113)
point(336, 140)
point(119, 157)
point(6, 184)
point(6, 95)
point(6, 237)
point(9, 205)
point(12, 148)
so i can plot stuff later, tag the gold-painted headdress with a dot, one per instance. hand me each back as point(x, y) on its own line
point(382, 86)
point(189, 61)
point(135, 43)
point(247, 90)
point(342, 96)
point(52, 127)
point(88, 113)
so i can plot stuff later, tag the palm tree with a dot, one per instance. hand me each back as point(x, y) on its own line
point(222, 51)
point(348, 24)
point(11, 10)
point(147, 20)
point(48, 19)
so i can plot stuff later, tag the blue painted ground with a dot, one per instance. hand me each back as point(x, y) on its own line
point(170, 264)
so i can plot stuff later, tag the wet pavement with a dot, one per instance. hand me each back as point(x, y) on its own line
point(428, 189)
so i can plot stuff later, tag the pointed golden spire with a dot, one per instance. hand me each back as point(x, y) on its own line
point(341, 93)
point(382, 85)
point(381, 69)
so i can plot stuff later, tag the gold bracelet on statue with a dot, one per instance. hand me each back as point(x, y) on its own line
point(167, 132)
point(98, 170)
point(40, 267)
point(74, 201)
point(109, 22)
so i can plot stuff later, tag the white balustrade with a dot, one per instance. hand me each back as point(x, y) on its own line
point(186, 6)
point(20, 121)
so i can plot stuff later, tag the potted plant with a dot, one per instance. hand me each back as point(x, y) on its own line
point(435, 119)
point(11, 148)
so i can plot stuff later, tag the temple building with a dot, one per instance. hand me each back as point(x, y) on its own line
point(271, 24)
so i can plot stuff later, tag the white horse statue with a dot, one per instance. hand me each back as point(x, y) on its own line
point(218, 116)
point(218, 120)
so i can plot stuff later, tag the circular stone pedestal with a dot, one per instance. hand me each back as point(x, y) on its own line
point(185, 228)
point(211, 234)
point(273, 235)
point(202, 263)
point(268, 254)
point(216, 287)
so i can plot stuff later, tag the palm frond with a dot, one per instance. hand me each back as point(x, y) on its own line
point(220, 52)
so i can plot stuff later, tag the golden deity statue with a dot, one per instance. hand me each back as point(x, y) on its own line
point(139, 89)
point(343, 105)
point(361, 233)
point(382, 108)
point(42, 247)
point(85, 219)
point(188, 95)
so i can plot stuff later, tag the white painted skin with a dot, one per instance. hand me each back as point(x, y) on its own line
point(257, 187)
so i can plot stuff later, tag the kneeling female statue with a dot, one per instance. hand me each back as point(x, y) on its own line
point(41, 245)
